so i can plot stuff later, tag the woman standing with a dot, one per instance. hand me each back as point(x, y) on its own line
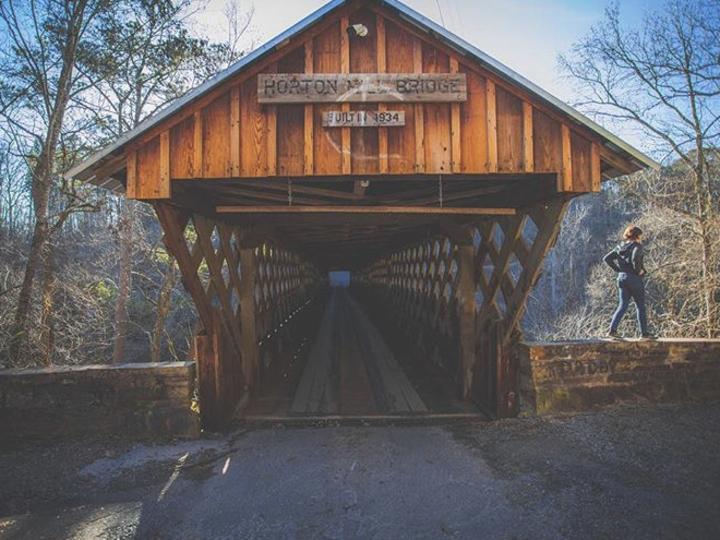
point(627, 260)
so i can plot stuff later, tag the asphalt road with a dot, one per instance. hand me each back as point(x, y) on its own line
point(631, 473)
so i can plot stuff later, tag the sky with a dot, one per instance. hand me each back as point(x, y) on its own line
point(526, 35)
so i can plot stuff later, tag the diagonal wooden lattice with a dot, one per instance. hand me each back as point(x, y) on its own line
point(470, 291)
point(242, 287)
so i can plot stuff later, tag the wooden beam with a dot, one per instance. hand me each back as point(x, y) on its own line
point(278, 209)
point(528, 141)
point(419, 112)
point(308, 149)
point(383, 161)
point(491, 107)
point(567, 173)
point(455, 126)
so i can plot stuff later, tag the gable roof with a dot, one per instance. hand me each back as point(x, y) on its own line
point(84, 170)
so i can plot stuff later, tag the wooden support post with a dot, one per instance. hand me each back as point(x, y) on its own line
point(248, 326)
point(466, 308)
point(205, 351)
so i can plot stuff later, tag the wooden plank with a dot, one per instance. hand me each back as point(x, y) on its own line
point(163, 187)
point(419, 111)
point(216, 140)
point(328, 143)
point(437, 121)
point(547, 143)
point(381, 53)
point(148, 170)
point(566, 178)
point(253, 132)
point(308, 151)
point(401, 142)
point(346, 143)
point(271, 140)
point(290, 132)
point(278, 209)
point(181, 150)
point(528, 150)
point(131, 177)
point(198, 145)
point(363, 59)
point(491, 105)
point(235, 131)
point(474, 146)
point(455, 139)
point(595, 169)
point(509, 114)
point(581, 162)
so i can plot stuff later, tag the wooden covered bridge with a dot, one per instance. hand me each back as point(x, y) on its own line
point(365, 138)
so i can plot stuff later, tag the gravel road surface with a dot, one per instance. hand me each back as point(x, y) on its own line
point(642, 472)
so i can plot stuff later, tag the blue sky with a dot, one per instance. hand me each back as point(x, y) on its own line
point(526, 35)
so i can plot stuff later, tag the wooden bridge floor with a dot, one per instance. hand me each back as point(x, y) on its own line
point(350, 370)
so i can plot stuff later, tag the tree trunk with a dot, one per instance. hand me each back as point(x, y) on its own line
point(163, 309)
point(47, 320)
point(42, 179)
point(125, 231)
point(41, 232)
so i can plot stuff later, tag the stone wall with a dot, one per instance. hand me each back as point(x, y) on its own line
point(136, 400)
point(584, 375)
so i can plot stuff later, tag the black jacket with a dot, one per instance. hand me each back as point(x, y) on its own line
point(626, 257)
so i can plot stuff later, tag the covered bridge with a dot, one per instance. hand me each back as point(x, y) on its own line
point(365, 138)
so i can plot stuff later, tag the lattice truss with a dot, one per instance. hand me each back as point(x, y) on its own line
point(423, 280)
point(283, 283)
point(224, 274)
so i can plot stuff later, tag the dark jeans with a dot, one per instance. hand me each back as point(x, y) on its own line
point(630, 286)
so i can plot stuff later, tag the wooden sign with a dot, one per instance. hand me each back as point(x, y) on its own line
point(363, 118)
point(361, 87)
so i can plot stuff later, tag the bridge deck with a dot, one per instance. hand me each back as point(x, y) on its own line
point(351, 370)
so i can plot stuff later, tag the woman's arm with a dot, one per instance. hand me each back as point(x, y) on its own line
point(610, 259)
point(638, 260)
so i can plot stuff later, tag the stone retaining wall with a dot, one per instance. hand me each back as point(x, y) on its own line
point(583, 375)
point(145, 400)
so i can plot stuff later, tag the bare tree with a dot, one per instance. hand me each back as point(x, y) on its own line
point(664, 78)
